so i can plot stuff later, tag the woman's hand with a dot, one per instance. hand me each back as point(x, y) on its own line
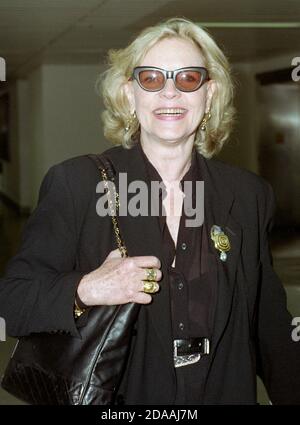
point(118, 280)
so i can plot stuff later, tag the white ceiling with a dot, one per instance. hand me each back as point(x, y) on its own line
point(80, 31)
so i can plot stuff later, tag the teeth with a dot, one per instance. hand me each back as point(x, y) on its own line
point(170, 111)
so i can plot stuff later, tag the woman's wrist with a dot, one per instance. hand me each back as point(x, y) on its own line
point(79, 306)
point(79, 302)
point(82, 292)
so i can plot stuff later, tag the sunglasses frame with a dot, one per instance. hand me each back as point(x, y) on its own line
point(170, 74)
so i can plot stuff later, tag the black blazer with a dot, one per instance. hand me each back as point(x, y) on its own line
point(65, 239)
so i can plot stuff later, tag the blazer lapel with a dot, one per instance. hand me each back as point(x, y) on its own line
point(218, 202)
point(142, 237)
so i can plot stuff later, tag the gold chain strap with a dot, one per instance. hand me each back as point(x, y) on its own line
point(78, 311)
point(113, 212)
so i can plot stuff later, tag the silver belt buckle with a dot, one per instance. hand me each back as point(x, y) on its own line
point(185, 360)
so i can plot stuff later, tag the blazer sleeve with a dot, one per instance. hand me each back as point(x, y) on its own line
point(38, 289)
point(278, 354)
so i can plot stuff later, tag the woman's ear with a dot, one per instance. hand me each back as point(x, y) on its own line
point(129, 92)
point(210, 91)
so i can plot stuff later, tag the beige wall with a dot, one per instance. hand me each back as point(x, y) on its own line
point(10, 174)
point(242, 148)
point(24, 143)
point(72, 113)
point(55, 116)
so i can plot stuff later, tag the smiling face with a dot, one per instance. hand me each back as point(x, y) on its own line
point(170, 115)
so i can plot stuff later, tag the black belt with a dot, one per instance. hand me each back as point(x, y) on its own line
point(186, 347)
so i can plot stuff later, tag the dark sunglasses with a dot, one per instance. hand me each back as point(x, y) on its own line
point(186, 79)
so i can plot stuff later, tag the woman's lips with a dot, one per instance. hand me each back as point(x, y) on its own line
point(170, 114)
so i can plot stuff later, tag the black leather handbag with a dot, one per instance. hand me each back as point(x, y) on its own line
point(59, 369)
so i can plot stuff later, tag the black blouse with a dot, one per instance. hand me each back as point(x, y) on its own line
point(192, 281)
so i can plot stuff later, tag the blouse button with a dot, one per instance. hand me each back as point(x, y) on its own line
point(180, 285)
point(183, 246)
point(181, 326)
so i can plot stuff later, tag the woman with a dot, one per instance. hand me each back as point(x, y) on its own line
point(217, 315)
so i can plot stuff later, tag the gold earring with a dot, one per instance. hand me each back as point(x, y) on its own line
point(206, 118)
point(130, 121)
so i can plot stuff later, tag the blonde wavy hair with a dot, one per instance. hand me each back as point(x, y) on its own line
point(110, 84)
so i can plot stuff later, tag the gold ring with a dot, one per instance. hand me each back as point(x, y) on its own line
point(150, 287)
point(151, 274)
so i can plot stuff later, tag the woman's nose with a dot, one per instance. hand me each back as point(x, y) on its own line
point(169, 91)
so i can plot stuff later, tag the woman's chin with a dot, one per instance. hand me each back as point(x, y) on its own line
point(174, 138)
point(167, 135)
point(171, 136)
point(171, 140)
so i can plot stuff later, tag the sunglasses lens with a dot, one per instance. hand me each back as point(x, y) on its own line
point(189, 80)
point(151, 80)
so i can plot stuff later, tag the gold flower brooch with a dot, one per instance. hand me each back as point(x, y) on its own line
point(221, 241)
